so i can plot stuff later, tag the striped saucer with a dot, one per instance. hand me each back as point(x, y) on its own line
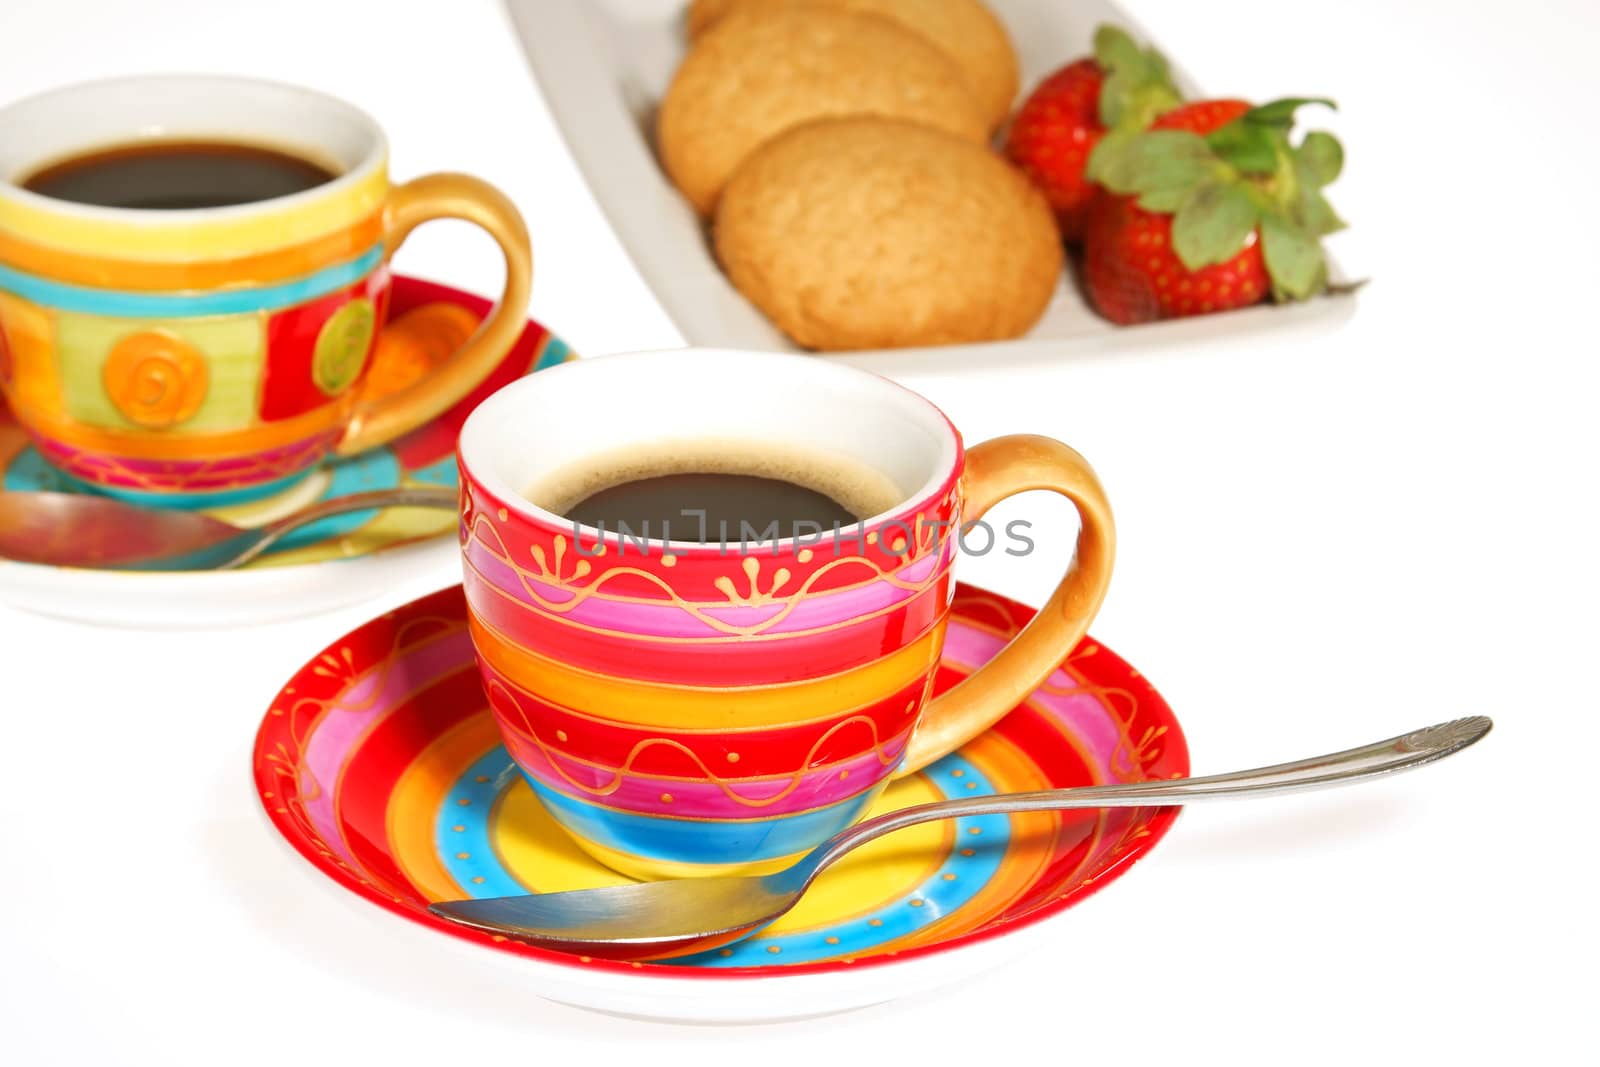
point(380, 763)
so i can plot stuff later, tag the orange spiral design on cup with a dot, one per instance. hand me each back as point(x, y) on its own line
point(416, 342)
point(155, 379)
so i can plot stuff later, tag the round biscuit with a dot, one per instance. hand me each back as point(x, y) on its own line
point(873, 233)
point(965, 30)
point(757, 74)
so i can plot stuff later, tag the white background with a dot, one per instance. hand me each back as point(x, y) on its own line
point(1324, 541)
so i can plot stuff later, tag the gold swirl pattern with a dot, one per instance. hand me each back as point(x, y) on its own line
point(754, 598)
point(155, 379)
point(878, 748)
point(580, 569)
point(733, 639)
point(1131, 756)
point(286, 762)
point(342, 669)
point(553, 572)
point(250, 470)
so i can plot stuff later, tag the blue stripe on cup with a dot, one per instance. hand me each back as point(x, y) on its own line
point(659, 837)
point(119, 304)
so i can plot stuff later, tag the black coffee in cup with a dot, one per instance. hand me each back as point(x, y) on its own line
point(178, 175)
point(713, 490)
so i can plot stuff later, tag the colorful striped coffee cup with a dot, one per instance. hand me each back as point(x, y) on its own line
point(203, 356)
point(700, 707)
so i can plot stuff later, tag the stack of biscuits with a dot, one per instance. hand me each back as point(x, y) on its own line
point(840, 149)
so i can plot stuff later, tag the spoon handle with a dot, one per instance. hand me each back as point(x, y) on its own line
point(408, 497)
point(1352, 765)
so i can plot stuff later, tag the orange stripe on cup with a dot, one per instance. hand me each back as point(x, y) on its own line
point(709, 707)
point(259, 268)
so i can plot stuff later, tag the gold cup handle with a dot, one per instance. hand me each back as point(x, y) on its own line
point(995, 470)
point(449, 196)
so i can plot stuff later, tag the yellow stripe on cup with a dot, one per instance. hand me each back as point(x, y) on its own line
point(222, 233)
point(709, 707)
point(134, 275)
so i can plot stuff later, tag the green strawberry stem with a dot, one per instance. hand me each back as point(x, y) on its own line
point(1138, 86)
point(1243, 177)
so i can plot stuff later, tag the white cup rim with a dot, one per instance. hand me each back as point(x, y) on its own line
point(484, 434)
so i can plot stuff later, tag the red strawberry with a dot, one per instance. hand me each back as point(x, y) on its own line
point(1131, 270)
point(1209, 210)
point(1063, 119)
point(1052, 136)
point(1201, 116)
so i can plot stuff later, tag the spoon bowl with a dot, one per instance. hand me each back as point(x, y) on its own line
point(656, 920)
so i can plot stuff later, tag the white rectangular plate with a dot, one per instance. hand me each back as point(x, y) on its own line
point(603, 65)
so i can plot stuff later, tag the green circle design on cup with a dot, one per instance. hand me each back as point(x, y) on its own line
point(342, 346)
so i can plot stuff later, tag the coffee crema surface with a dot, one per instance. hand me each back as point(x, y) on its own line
point(717, 491)
point(178, 175)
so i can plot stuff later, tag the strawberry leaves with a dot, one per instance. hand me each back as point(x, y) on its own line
point(1137, 85)
point(1248, 148)
point(1212, 223)
point(1243, 177)
point(1294, 259)
point(1319, 158)
point(1317, 162)
point(1253, 142)
point(1280, 113)
point(1149, 163)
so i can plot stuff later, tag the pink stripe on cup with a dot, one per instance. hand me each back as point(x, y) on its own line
point(665, 619)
